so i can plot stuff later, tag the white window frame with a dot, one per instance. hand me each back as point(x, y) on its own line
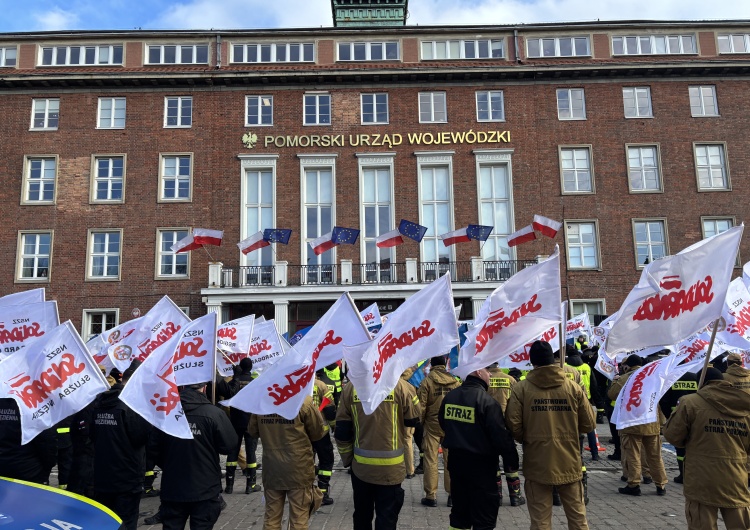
point(663, 221)
point(725, 167)
point(176, 177)
point(496, 157)
point(489, 94)
point(584, 301)
point(100, 117)
point(433, 44)
point(48, 102)
point(274, 46)
point(95, 178)
point(595, 223)
point(369, 45)
point(432, 95)
point(28, 159)
point(374, 96)
point(657, 158)
point(317, 122)
point(178, 53)
point(90, 255)
point(159, 253)
point(557, 46)
point(431, 159)
point(261, 98)
point(20, 256)
point(254, 163)
point(589, 148)
point(702, 98)
point(376, 161)
point(713, 218)
point(636, 99)
point(315, 162)
point(82, 51)
point(652, 39)
point(86, 320)
point(569, 92)
point(729, 38)
point(5, 51)
point(180, 100)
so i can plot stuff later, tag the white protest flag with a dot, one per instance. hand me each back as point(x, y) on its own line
point(525, 306)
point(371, 316)
point(423, 326)
point(233, 341)
point(20, 324)
point(606, 366)
point(676, 296)
point(578, 325)
point(599, 333)
point(734, 325)
point(195, 351)
point(152, 392)
point(520, 358)
point(267, 346)
point(692, 351)
point(282, 387)
point(32, 296)
point(55, 378)
point(98, 350)
point(745, 275)
point(138, 338)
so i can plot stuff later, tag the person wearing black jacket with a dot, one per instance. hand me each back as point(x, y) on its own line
point(82, 470)
point(475, 435)
point(120, 436)
point(31, 462)
point(191, 480)
point(684, 386)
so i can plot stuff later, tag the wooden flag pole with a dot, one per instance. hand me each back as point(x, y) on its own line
point(708, 353)
point(562, 350)
point(213, 383)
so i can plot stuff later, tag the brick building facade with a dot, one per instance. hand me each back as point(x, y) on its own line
point(115, 144)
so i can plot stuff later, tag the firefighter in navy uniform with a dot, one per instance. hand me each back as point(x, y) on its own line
point(475, 434)
point(373, 446)
point(323, 448)
point(64, 452)
point(31, 462)
point(684, 386)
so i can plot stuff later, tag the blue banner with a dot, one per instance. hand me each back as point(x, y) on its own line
point(25, 505)
point(453, 357)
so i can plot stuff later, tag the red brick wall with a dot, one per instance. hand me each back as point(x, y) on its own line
point(707, 43)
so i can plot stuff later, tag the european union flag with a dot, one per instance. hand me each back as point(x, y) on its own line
point(479, 232)
point(412, 230)
point(344, 236)
point(277, 235)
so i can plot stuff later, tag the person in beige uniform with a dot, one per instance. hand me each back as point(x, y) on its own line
point(546, 413)
point(409, 431)
point(431, 392)
point(736, 374)
point(633, 440)
point(713, 425)
point(373, 446)
point(288, 465)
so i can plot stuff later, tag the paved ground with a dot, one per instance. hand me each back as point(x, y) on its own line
point(606, 510)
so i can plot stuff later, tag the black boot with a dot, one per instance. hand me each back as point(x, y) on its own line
point(600, 417)
point(514, 489)
point(556, 498)
point(324, 484)
point(230, 479)
point(154, 519)
point(251, 486)
point(148, 484)
point(500, 488)
point(681, 467)
point(419, 470)
point(585, 481)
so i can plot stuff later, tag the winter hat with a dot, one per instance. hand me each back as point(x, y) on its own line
point(541, 354)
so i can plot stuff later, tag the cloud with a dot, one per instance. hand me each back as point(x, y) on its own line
point(56, 19)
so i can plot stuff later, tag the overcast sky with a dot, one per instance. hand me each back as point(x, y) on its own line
point(41, 15)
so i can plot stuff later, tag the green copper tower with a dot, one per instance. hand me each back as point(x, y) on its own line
point(358, 13)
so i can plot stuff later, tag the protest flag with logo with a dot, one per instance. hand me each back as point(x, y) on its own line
point(734, 324)
point(32, 296)
point(20, 324)
point(524, 307)
point(676, 296)
point(521, 359)
point(578, 325)
point(371, 316)
point(98, 350)
point(138, 338)
point(423, 326)
point(282, 387)
point(55, 378)
point(266, 346)
point(195, 352)
point(233, 343)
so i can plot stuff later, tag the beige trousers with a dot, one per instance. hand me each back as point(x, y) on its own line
point(632, 445)
point(430, 447)
point(300, 501)
point(539, 503)
point(409, 450)
point(702, 517)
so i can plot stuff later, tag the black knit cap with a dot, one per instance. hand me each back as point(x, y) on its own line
point(438, 361)
point(713, 374)
point(541, 354)
point(633, 360)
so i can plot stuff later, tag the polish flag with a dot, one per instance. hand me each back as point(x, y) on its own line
point(204, 236)
point(546, 226)
point(389, 239)
point(185, 244)
point(523, 235)
point(457, 236)
point(254, 242)
point(323, 243)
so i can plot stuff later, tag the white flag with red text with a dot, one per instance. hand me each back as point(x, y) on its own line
point(525, 306)
point(734, 325)
point(520, 358)
point(599, 333)
point(233, 341)
point(20, 324)
point(692, 351)
point(265, 348)
point(284, 385)
point(32, 296)
point(578, 325)
point(195, 351)
point(138, 338)
point(423, 326)
point(55, 378)
point(98, 350)
point(371, 316)
point(676, 296)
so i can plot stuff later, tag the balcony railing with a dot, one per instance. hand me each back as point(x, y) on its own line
point(500, 271)
point(312, 275)
point(366, 273)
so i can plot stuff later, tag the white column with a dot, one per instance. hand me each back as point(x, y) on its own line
point(477, 269)
point(213, 307)
point(346, 272)
point(477, 303)
point(214, 274)
point(281, 315)
point(281, 273)
point(411, 270)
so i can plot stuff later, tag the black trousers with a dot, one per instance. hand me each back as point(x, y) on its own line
point(384, 502)
point(202, 514)
point(323, 448)
point(609, 409)
point(251, 446)
point(125, 505)
point(476, 500)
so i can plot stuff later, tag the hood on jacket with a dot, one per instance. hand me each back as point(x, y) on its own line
point(440, 376)
point(110, 397)
point(574, 360)
point(737, 370)
point(192, 399)
point(548, 376)
point(472, 380)
point(722, 396)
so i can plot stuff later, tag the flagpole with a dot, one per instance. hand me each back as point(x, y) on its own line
point(207, 252)
point(562, 351)
point(708, 353)
point(213, 385)
point(354, 306)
